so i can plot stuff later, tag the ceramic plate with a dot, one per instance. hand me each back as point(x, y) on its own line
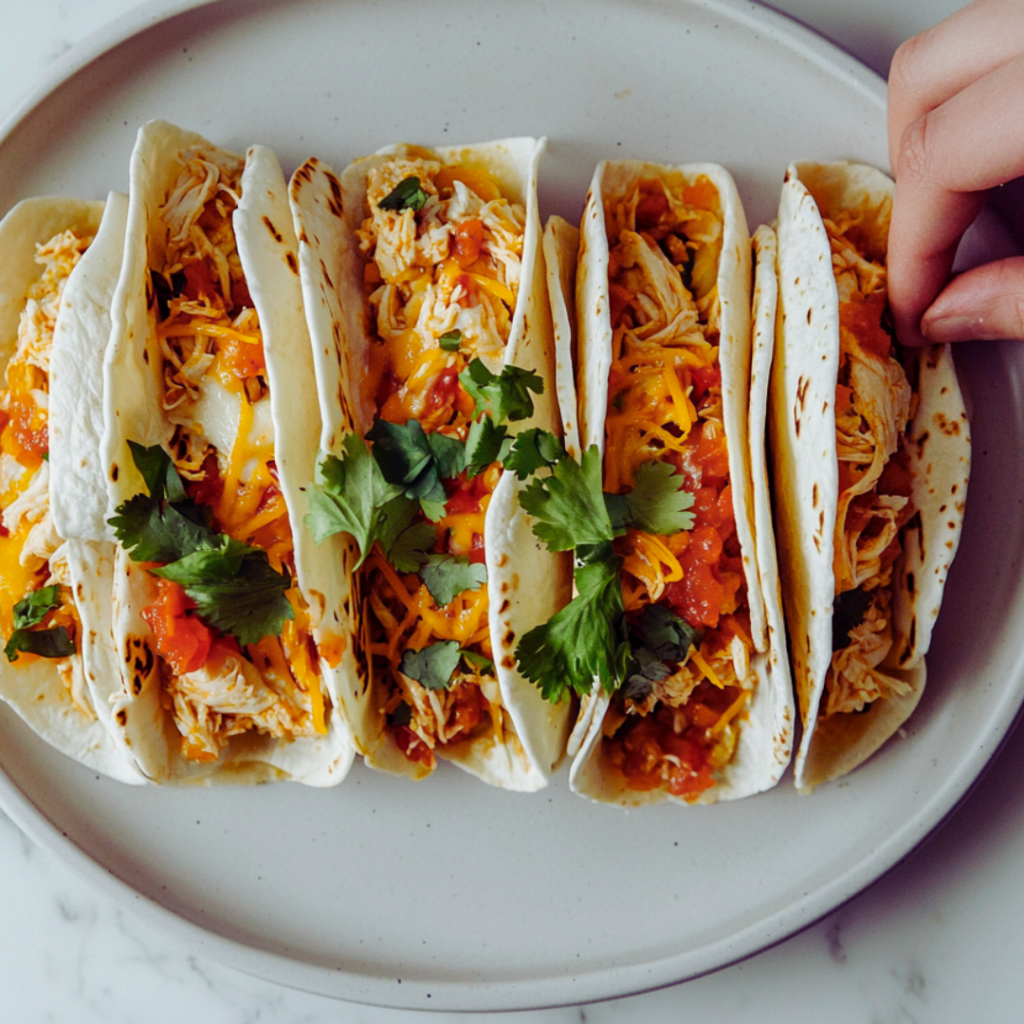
point(448, 894)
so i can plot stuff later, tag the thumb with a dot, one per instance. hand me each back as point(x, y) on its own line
point(984, 303)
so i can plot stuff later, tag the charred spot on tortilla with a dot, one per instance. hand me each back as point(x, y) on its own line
point(122, 717)
point(273, 231)
point(293, 263)
point(330, 284)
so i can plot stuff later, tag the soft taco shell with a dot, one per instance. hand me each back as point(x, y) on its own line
point(763, 750)
point(76, 502)
point(268, 251)
point(527, 583)
point(803, 442)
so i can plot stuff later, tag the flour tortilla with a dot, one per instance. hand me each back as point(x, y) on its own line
point(526, 582)
point(763, 750)
point(803, 443)
point(77, 498)
point(268, 251)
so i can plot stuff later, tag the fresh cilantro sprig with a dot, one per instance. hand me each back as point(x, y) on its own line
point(589, 639)
point(434, 666)
point(447, 576)
point(406, 195)
point(572, 511)
point(29, 612)
point(584, 641)
point(352, 496)
point(503, 397)
point(233, 585)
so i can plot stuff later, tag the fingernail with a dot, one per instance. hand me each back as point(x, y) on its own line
point(953, 328)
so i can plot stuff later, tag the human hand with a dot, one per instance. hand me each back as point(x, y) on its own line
point(956, 130)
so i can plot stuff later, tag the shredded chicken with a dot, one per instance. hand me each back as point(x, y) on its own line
point(401, 242)
point(870, 428)
point(229, 696)
point(854, 677)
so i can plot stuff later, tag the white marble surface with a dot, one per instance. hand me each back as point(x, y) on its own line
point(940, 939)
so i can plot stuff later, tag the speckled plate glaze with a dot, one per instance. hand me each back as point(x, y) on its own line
point(448, 894)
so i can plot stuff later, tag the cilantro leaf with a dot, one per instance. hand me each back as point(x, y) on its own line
point(406, 544)
point(446, 576)
point(233, 585)
point(434, 666)
point(235, 588)
point(532, 450)
point(31, 610)
point(477, 661)
point(569, 505)
point(153, 531)
point(47, 643)
point(584, 641)
point(417, 462)
point(486, 442)
point(406, 195)
point(664, 634)
point(158, 471)
point(658, 504)
point(348, 496)
point(449, 455)
point(647, 670)
point(505, 397)
point(450, 341)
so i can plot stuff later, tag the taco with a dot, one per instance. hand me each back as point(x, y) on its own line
point(432, 342)
point(871, 451)
point(209, 443)
point(667, 643)
point(61, 260)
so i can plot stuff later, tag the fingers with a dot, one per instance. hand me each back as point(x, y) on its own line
point(985, 303)
point(946, 161)
point(934, 66)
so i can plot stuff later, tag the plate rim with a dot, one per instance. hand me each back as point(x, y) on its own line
point(553, 990)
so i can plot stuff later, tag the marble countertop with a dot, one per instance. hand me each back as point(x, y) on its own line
point(939, 939)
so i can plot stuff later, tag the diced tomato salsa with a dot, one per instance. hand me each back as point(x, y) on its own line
point(181, 639)
point(646, 748)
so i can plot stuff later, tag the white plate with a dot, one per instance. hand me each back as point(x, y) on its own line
point(449, 894)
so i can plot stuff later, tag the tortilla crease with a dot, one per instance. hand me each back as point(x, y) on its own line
point(532, 582)
point(267, 249)
point(763, 748)
point(32, 686)
point(806, 481)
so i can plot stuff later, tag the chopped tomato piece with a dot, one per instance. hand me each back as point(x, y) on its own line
point(412, 746)
point(181, 639)
point(651, 208)
point(199, 281)
point(240, 297)
point(863, 316)
point(468, 243)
